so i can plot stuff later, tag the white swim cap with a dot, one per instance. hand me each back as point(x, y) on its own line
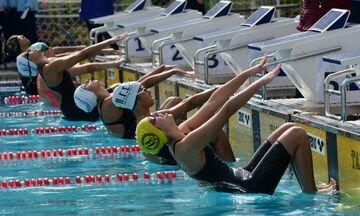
point(124, 96)
point(26, 67)
point(84, 99)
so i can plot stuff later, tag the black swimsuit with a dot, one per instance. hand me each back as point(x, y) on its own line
point(127, 119)
point(68, 107)
point(165, 156)
point(261, 175)
point(29, 84)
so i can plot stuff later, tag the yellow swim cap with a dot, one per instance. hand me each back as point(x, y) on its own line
point(150, 138)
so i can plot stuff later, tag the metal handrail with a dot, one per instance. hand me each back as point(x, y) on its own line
point(293, 58)
point(199, 51)
point(342, 92)
point(155, 50)
point(131, 35)
point(93, 33)
point(218, 51)
point(215, 52)
point(102, 31)
point(305, 55)
point(198, 62)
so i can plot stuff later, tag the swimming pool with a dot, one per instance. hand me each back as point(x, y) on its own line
point(155, 196)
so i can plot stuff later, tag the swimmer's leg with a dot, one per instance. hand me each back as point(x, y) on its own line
point(261, 151)
point(223, 148)
point(297, 144)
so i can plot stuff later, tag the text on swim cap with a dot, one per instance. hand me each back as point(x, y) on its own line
point(123, 94)
point(150, 141)
point(83, 102)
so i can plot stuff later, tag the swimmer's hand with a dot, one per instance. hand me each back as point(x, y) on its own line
point(261, 66)
point(119, 61)
point(111, 51)
point(270, 75)
point(165, 67)
point(274, 72)
point(181, 72)
point(118, 38)
point(161, 112)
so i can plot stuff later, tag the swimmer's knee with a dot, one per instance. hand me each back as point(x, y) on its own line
point(297, 136)
point(293, 136)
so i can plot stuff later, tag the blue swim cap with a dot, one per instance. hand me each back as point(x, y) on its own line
point(41, 46)
point(26, 67)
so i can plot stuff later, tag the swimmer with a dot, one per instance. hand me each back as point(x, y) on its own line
point(58, 74)
point(45, 94)
point(18, 44)
point(131, 101)
point(189, 143)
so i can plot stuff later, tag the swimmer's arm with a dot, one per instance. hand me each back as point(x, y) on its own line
point(58, 65)
point(64, 49)
point(157, 78)
point(207, 132)
point(69, 51)
point(189, 103)
point(94, 66)
point(157, 70)
point(220, 96)
point(111, 51)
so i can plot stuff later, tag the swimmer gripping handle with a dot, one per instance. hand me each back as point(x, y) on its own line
point(25, 13)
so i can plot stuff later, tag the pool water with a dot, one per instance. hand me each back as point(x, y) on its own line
point(180, 195)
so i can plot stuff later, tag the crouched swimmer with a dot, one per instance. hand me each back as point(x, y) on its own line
point(131, 101)
point(288, 144)
point(58, 75)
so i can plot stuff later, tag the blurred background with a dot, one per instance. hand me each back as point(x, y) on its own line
point(58, 21)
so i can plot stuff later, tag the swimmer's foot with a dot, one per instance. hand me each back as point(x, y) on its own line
point(331, 187)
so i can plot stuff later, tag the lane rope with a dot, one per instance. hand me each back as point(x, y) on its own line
point(31, 113)
point(161, 176)
point(62, 153)
point(14, 100)
point(50, 130)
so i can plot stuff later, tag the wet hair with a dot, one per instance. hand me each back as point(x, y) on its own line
point(12, 47)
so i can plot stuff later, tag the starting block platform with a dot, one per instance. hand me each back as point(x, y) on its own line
point(300, 54)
